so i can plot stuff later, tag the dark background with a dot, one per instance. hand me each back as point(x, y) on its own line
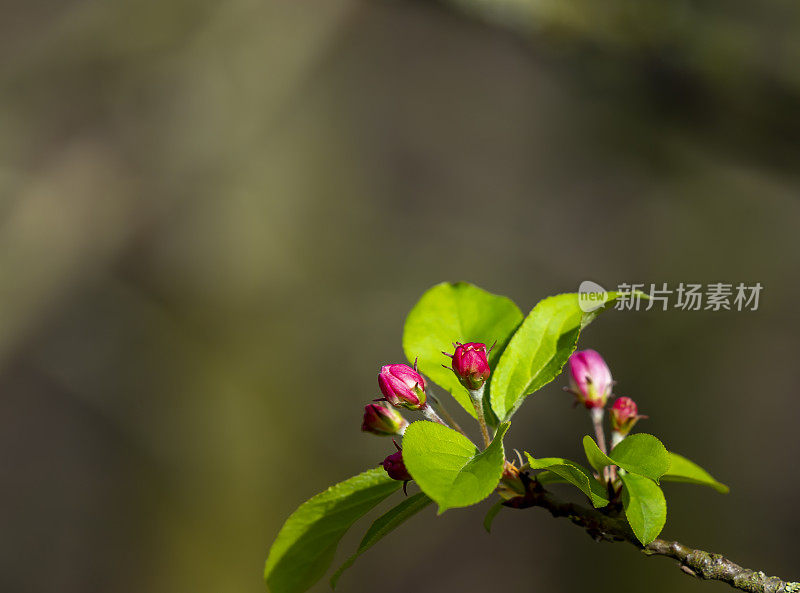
point(215, 217)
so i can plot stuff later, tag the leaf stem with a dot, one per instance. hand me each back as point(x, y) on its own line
point(431, 415)
point(597, 421)
point(477, 400)
point(447, 416)
point(600, 435)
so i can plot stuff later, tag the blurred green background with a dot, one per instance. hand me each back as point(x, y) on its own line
point(214, 218)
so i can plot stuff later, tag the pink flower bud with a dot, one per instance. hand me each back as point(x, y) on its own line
point(395, 467)
point(470, 364)
point(624, 414)
point(383, 421)
point(590, 379)
point(402, 386)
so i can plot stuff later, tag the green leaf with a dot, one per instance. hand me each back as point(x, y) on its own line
point(306, 543)
point(597, 459)
point(683, 470)
point(640, 453)
point(575, 474)
point(384, 525)
point(538, 350)
point(448, 467)
point(458, 312)
point(489, 518)
point(547, 477)
point(645, 506)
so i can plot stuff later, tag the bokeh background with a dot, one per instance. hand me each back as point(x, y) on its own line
point(214, 218)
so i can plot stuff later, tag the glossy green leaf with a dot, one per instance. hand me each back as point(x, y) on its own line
point(538, 350)
point(683, 470)
point(448, 467)
point(645, 506)
point(384, 525)
point(640, 453)
point(575, 474)
point(457, 312)
point(306, 543)
point(491, 514)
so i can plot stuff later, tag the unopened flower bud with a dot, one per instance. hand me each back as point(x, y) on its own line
point(590, 378)
point(511, 482)
point(383, 421)
point(624, 414)
point(470, 364)
point(402, 386)
point(395, 467)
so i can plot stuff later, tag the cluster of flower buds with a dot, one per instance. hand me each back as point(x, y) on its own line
point(470, 364)
point(591, 383)
point(402, 387)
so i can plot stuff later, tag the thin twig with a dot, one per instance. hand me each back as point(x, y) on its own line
point(608, 524)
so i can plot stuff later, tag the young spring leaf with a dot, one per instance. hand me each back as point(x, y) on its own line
point(642, 454)
point(538, 350)
point(639, 453)
point(575, 474)
point(683, 470)
point(457, 312)
point(382, 526)
point(306, 543)
point(645, 506)
point(448, 467)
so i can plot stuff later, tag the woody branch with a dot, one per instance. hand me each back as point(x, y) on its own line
point(609, 525)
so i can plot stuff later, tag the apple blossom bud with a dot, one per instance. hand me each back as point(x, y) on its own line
point(395, 467)
point(470, 364)
point(590, 378)
point(624, 414)
point(383, 421)
point(402, 386)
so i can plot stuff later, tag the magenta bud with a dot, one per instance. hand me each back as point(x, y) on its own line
point(383, 421)
point(471, 365)
point(590, 379)
point(624, 414)
point(395, 467)
point(402, 386)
